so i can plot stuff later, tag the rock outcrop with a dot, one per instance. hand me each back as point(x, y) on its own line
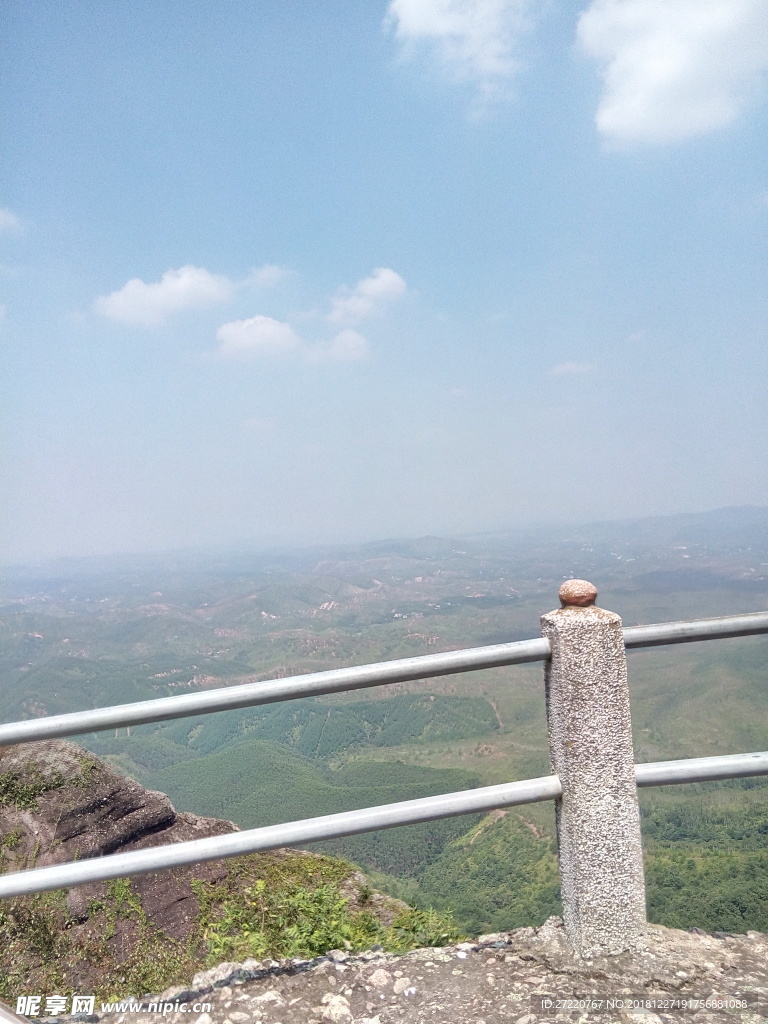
point(59, 803)
point(72, 806)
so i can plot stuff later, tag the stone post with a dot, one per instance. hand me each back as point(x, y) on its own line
point(590, 743)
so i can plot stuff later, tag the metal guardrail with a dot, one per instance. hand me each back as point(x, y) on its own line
point(358, 677)
point(371, 818)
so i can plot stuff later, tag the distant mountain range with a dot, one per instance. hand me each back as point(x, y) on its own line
point(723, 528)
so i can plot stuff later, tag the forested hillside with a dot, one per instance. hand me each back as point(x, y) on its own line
point(86, 634)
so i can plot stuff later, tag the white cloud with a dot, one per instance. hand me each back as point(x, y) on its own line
point(476, 41)
point(367, 298)
point(264, 336)
point(673, 70)
point(347, 346)
point(570, 369)
point(9, 221)
point(266, 277)
point(258, 336)
point(187, 288)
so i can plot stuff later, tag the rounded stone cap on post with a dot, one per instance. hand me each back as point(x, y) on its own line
point(577, 594)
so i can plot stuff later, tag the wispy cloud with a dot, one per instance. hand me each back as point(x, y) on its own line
point(348, 346)
point(9, 221)
point(570, 369)
point(261, 336)
point(188, 288)
point(193, 288)
point(266, 277)
point(474, 41)
point(257, 336)
point(369, 297)
point(674, 70)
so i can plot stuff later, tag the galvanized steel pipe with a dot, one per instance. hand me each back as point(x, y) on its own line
point(348, 823)
point(357, 677)
point(697, 629)
point(702, 769)
point(330, 826)
point(268, 692)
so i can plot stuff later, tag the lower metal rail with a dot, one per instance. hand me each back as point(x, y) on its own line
point(349, 823)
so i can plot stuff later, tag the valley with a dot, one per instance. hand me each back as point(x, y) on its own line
point(89, 633)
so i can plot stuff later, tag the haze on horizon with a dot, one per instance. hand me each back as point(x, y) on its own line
point(282, 273)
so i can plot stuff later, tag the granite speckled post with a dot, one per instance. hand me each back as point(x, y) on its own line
point(590, 742)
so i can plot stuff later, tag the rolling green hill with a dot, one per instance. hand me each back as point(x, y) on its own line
point(82, 635)
point(256, 782)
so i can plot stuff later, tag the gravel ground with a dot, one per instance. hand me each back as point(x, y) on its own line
point(527, 976)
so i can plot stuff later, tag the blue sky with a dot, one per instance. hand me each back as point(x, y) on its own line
point(282, 272)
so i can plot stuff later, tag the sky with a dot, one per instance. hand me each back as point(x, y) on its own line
point(281, 272)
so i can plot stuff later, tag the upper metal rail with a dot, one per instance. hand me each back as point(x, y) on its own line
point(270, 691)
point(724, 626)
point(358, 677)
point(702, 769)
point(349, 823)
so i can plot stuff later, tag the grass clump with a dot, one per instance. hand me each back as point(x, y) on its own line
point(11, 839)
point(31, 937)
point(308, 922)
point(40, 952)
point(89, 769)
point(21, 790)
point(154, 959)
point(306, 917)
point(267, 905)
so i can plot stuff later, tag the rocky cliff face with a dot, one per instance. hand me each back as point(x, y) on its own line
point(62, 804)
point(58, 803)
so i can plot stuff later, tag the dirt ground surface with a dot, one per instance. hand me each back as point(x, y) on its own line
point(527, 976)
